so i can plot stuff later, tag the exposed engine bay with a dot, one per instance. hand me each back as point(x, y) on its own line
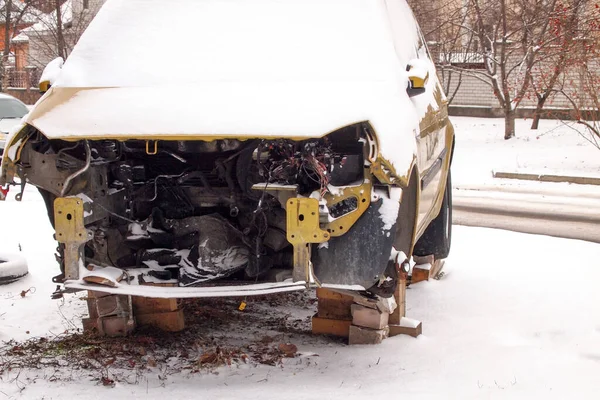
point(193, 212)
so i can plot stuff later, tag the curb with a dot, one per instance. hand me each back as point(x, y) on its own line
point(582, 180)
point(526, 213)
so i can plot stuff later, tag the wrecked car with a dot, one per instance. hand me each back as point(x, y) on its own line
point(291, 143)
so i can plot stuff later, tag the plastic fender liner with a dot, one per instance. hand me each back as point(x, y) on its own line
point(360, 256)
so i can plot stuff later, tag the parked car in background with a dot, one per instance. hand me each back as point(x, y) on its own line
point(11, 112)
point(297, 138)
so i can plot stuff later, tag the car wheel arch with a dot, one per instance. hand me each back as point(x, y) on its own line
point(406, 230)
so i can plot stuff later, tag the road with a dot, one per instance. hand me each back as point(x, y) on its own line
point(560, 211)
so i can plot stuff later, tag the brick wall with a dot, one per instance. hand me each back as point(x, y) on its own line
point(26, 96)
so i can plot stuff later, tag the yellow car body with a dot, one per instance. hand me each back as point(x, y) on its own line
point(308, 137)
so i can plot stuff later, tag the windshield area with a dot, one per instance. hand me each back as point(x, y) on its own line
point(10, 108)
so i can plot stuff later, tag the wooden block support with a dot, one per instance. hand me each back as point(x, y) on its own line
point(407, 326)
point(334, 309)
point(150, 305)
point(328, 294)
point(420, 273)
point(430, 259)
point(360, 335)
point(327, 326)
point(90, 325)
point(169, 321)
point(400, 297)
point(115, 326)
point(368, 318)
point(333, 304)
point(111, 305)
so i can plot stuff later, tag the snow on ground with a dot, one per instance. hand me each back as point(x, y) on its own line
point(25, 226)
point(514, 317)
point(554, 148)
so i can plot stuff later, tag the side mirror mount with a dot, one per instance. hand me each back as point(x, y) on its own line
point(418, 76)
point(44, 86)
point(50, 74)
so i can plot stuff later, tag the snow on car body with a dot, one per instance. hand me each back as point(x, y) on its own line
point(308, 136)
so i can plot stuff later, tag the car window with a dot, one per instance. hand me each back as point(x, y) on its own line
point(10, 108)
point(404, 30)
point(422, 50)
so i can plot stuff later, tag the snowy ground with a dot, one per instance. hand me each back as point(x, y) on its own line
point(514, 316)
point(554, 148)
point(517, 324)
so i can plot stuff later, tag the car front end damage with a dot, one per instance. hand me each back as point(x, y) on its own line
point(199, 215)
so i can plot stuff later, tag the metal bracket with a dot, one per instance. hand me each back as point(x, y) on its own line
point(362, 193)
point(155, 150)
point(303, 222)
point(302, 229)
point(70, 230)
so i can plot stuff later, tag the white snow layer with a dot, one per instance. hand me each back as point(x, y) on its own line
point(12, 264)
point(390, 207)
point(255, 71)
point(52, 70)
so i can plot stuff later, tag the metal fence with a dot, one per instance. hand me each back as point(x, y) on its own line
point(24, 79)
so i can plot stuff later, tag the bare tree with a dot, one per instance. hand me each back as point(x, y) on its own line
point(584, 95)
point(571, 23)
point(56, 33)
point(587, 122)
point(441, 23)
point(505, 36)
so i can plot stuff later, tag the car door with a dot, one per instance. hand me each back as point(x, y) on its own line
point(430, 106)
point(431, 140)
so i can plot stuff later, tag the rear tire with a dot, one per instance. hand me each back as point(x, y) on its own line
point(438, 236)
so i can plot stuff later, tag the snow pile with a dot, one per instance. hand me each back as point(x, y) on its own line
point(52, 71)
point(12, 265)
point(388, 212)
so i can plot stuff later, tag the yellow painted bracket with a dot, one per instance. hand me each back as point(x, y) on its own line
point(341, 225)
point(302, 229)
point(418, 82)
point(385, 172)
point(68, 220)
point(44, 86)
point(70, 230)
point(151, 151)
point(303, 222)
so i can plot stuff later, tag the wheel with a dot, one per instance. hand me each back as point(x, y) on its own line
point(12, 268)
point(438, 236)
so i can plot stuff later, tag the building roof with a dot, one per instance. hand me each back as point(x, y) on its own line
point(20, 38)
